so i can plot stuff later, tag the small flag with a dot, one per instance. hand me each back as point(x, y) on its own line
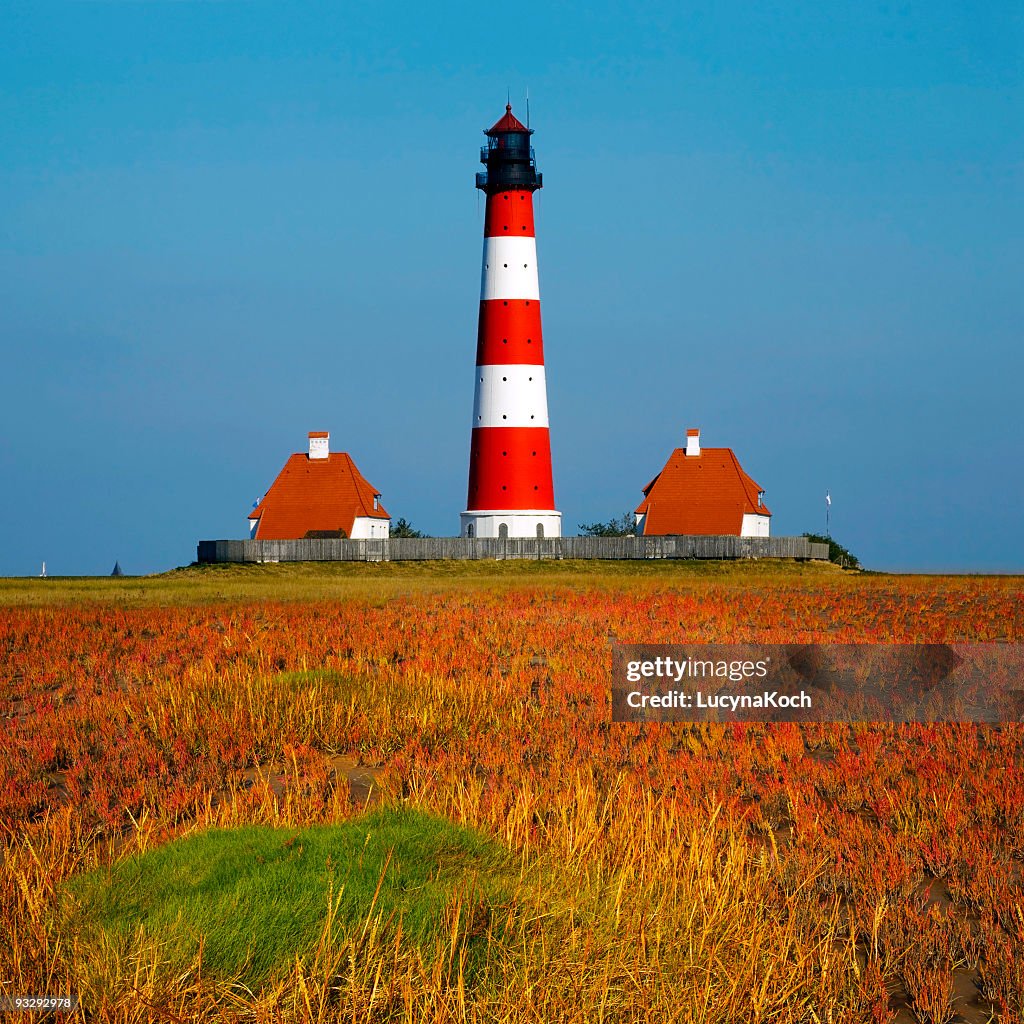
point(828, 498)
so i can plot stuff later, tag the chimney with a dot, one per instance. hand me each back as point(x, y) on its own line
point(693, 442)
point(319, 444)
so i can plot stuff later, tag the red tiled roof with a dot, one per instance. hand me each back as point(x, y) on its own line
point(315, 494)
point(700, 494)
point(508, 123)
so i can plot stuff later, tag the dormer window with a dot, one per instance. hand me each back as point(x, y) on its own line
point(376, 503)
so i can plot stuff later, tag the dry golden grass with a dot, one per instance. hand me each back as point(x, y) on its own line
point(631, 914)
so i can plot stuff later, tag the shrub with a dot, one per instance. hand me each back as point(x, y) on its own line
point(624, 527)
point(836, 552)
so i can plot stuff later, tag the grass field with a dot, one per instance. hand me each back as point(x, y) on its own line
point(384, 580)
point(393, 792)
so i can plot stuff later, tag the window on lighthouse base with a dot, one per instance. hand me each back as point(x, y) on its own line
point(503, 531)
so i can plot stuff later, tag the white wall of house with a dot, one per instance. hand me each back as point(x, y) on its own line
point(755, 526)
point(368, 528)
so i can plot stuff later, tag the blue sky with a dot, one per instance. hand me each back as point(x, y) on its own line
point(798, 227)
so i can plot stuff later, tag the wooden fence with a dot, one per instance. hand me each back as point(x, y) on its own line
point(431, 548)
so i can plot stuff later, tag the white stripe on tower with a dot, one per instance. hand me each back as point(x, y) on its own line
point(512, 395)
point(510, 268)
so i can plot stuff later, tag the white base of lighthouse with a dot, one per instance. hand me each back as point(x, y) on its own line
point(520, 523)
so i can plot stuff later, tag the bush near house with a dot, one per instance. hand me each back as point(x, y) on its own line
point(403, 528)
point(836, 552)
point(622, 527)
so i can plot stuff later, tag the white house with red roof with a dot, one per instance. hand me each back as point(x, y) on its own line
point(319, 493)
point(703, 491)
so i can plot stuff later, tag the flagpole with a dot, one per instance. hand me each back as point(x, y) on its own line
point(828, 511)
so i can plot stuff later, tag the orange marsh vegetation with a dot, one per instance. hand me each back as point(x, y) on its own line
point(665, 872)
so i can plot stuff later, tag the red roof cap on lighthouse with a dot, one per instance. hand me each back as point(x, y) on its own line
point(508, 123)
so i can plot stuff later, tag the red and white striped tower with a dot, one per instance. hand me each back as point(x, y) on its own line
point(510, 488)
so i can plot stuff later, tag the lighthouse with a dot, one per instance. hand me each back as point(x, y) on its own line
point(510, 484)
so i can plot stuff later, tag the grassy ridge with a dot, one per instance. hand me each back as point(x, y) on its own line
point(381, 580)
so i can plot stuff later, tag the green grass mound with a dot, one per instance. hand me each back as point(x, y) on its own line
point(254, 898)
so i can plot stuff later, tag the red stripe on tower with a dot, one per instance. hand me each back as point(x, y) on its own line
point(510, 485)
